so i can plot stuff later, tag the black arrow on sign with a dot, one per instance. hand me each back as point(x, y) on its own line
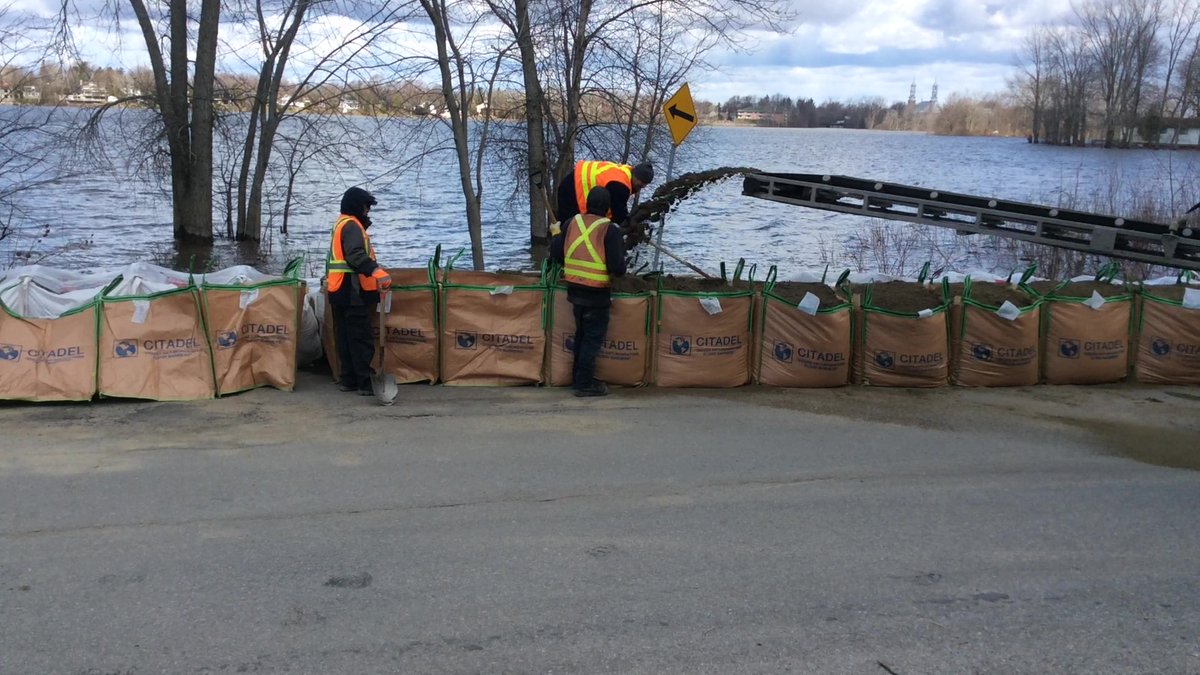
point(679, 113)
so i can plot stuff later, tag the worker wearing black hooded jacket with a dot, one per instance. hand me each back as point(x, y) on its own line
point(591, 252)
point(354, 281)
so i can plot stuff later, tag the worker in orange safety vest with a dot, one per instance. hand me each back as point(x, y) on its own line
point(621, 181)
point(354, 280)
point(591, 252)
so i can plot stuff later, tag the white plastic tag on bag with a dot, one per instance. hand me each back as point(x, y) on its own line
point(248, 298)
point(711, 305)
point(141, 309)
point(1191, 298)
point(809, 304)
point(925, 313)
point(1008, 311)
point(502, 290)
point(1096, 301)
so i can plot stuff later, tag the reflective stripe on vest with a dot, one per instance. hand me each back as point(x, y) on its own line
point(589, 174)
point(585, 261)
point(336, 267)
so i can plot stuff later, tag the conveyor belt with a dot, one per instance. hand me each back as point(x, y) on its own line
point(1144, 241)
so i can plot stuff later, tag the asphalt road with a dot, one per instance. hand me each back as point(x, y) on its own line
point(525, 531)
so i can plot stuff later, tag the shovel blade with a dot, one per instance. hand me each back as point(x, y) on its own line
point(385, 388)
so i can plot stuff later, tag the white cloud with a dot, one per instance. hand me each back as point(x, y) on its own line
point(877, 48)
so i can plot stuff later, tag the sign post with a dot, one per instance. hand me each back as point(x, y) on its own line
point(680, 113)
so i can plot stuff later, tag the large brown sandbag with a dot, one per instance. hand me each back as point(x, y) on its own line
point(994, 345)
point(802, 347)
point(154, 347)
point(695, 347)
point(492, 328)
point(624, 357)
point(254, 333)
point(904, 351)
point(1169, 337)
point(48, 359)
point(1082, 344)
point(411, 351)
point(901, 334)
point(328, 341)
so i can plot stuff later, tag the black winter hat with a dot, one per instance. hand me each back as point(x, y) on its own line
point(355, 201)
point(644, 172)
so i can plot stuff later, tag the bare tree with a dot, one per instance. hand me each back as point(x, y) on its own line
point(466, 64)
point(1071, 74)
point(183, 96)
point(1181, 34)
point(622, 58)
point(324, 60)
point(518, 21)
point(1121, 36)
point(1030, 83)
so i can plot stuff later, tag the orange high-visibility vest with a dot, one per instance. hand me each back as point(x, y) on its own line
point(336, 267)
point(585, 261)
point(589, 174)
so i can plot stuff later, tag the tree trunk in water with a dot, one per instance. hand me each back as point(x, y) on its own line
point(252, 229)
point(540, 181)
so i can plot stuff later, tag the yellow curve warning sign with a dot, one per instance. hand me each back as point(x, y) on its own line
point(680, 112)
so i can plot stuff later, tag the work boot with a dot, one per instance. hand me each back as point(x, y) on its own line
point(342, 386)
point(596, 388)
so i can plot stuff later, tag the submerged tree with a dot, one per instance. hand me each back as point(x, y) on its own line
point(183, 97)
point(301, 71)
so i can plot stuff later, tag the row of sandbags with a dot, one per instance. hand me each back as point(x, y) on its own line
point(147, 332)
point(989, 332)
point(481, 328)
point(478, 328)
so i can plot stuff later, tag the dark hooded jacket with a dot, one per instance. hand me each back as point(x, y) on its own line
point(354, 203)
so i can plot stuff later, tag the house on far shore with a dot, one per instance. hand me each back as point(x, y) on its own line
point(89, 93)
point(286, 101)
point(755, 115)
point(1188, 130)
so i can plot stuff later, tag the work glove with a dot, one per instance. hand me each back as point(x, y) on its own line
point(382, 278)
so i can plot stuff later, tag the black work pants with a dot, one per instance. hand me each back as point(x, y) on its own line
point(591, 325)
point(355, 344)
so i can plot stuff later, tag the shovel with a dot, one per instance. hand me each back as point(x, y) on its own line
point(383, 384)
point(690, 266)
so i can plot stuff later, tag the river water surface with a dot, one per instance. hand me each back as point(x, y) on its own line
point(103, 218)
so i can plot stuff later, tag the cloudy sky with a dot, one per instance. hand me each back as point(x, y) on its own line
point(839, 49)
point(848, 49)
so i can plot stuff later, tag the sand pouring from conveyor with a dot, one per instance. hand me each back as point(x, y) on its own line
point(622, 181)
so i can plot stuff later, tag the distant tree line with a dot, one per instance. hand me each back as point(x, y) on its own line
point(991, 115)
point(784, 111)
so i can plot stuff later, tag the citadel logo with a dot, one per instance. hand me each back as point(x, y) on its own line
point(1160, 347)
point(10, 353)
point(681, 344)
point(885, 359)
point(464, 340)
point(227, 339)
point(1068, 349)
point(125, 349)
point(981, 352)
point(784, 352)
